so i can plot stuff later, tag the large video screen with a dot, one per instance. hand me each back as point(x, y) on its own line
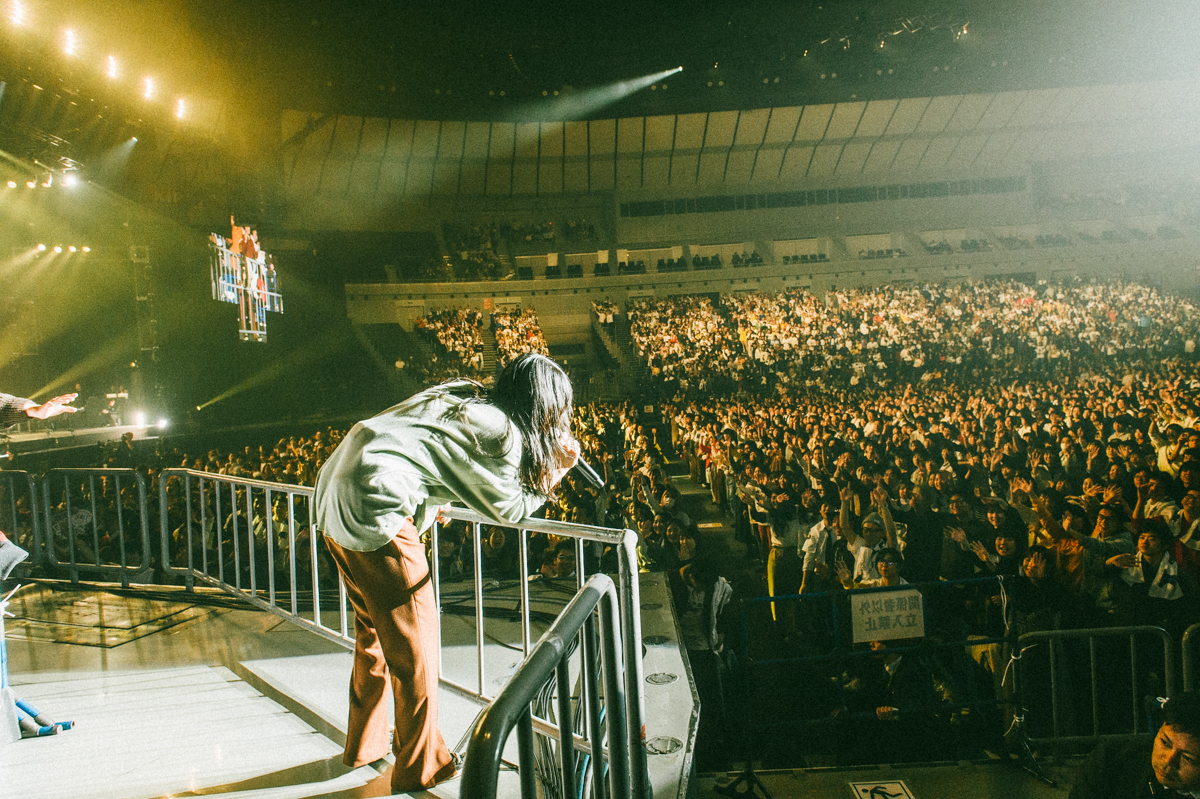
point(244, 275)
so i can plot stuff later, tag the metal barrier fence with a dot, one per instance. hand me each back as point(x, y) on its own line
point(1061, 684)
point(97, 521)
point(551, 656)
point(839, 651)
point(19, 518)
point(1048, 694)
point(1190, 636)
point(256, 540)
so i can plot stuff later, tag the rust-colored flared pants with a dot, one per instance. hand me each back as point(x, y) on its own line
point(396, 635)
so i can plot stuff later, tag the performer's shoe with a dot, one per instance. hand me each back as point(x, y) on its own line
point(448, 772)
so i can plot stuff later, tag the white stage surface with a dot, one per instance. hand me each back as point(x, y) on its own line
point(175, 697)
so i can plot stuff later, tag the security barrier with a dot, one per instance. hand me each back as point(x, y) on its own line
point(1105, 644)
point(1191, 636)
point(551, 656)
point(1057, 687)
point(256, 540)
point(97, 521)
point(19, 518)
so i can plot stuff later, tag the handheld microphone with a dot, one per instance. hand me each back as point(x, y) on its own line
point(589, 473)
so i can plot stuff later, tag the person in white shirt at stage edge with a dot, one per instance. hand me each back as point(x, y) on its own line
point(500, 452)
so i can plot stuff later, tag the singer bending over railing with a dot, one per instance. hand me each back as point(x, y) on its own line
point(500, 452)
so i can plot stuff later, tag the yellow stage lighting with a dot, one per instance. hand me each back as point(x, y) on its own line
point(148, 88)
point(112, 72)
point(58, 248)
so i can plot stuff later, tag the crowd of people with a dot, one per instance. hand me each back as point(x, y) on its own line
point(1026, 456)
point(457, 339)
point(518, 331)
point(456, 335)
point(1044, 434)
point(605, 310)
point(474, 251)
point(792, 339)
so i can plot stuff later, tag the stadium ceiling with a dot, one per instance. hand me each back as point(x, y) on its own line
point(206, 86)
point(480, 59)
point(485, 60)
point(823, 145)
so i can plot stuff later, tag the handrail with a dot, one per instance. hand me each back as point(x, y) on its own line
point(512, 707)
point(122, 569)
point(220, 494)
point(33, 540)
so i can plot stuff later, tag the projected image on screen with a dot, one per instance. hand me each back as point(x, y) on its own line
point(244, 275)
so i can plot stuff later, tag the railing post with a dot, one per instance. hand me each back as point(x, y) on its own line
point(631, 602)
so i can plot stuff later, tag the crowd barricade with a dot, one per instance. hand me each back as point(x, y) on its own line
point(1062, 688)
point(1115, 691)
point(1191, 637)
point(827, 652)
point(551, 657)
point(216, 529)
point(19, 518)
point(96, 521)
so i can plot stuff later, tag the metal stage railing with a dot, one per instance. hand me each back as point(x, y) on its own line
point(246, 536)
point(97, 521)
point(551, 657)
point(19, 518)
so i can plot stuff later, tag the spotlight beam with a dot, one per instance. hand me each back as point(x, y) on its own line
point(290, 363)
point(588, 101)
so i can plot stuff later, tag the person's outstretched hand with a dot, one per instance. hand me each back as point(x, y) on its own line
point(60, 404)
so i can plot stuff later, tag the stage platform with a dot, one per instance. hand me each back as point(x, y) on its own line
point(178, 697)
point(48, 437)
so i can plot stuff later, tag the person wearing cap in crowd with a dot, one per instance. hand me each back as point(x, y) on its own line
point(877, 531)
point(1167, 766)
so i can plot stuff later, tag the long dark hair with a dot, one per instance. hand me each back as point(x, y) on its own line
point(536, 394)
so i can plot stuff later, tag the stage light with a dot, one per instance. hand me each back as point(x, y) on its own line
point(112, 72)
point(148, 89)
point(41, 248)
point(32, 184)
point(134, 140)
point(162, 424)
point(180, 109)
point(140, 420)
point(71, 248)
point(58, 248)
point(87, 249)
point(70, 46)
point(69, 179)
point(12, 184)
point(17, 14)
